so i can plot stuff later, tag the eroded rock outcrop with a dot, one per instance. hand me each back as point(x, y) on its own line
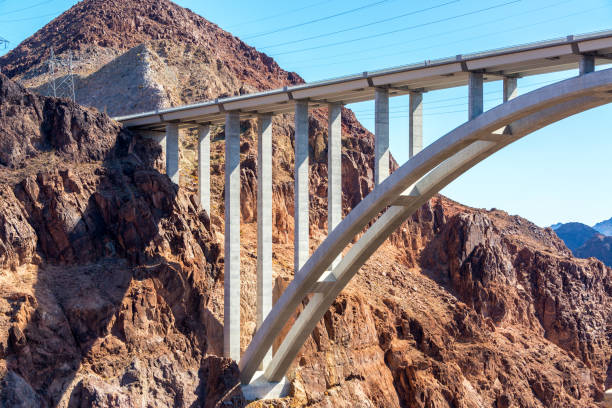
point(471, 325)
point(111, 277)
point(107, 267)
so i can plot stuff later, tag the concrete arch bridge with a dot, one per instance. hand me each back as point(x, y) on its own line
point(324, 273)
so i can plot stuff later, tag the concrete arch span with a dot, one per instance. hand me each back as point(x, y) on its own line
point(404, 192)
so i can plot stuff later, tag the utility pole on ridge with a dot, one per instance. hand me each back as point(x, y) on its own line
point(62, 87)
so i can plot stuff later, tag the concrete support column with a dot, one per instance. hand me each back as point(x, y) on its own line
point(381, 133)
point(204, 167)
point(172, 152)
point(334, 169)
point(587, 64)
point(475, 98)
point(510, 88)
point(416, 123)
point(231, 316)
point(301, 188)
point(264, 224)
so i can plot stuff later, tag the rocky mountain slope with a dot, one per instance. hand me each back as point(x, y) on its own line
point(106, 267)
point(177, 57)
point(142, 55)
point(111, 277)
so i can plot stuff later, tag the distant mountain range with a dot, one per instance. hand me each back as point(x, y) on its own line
point(604, 227)
point(585, 241)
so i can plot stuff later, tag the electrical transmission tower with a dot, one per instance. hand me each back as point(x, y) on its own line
point(62, 87)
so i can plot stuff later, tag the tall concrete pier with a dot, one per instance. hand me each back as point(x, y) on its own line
point(381, 135)
point(301, 188)
point(334, 168)
point(264, 223)
point(231, 319)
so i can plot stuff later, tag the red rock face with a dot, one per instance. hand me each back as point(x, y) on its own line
point(107, 267)
point(121, 25)
point(111, 277)
point(470, 326)
point(517, 274)
point(183, 39)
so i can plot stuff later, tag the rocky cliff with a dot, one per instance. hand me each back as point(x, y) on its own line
point(177, 56)
point(133, 56)
point(111, 280)
point(106, 267)
point(495, 313)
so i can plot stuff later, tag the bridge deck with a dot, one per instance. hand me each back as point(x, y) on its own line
point(520, 61)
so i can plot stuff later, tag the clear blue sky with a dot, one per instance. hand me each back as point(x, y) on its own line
point(558, 174)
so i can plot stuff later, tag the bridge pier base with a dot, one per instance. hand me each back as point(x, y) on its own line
point(260, 389)
point(607, 398)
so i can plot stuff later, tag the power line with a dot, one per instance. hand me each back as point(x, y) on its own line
point(404, 110)
point(395, 44)
point(26, 8)
point(401, 29)
point(316, 20)
point(435, 102)
point(362, 25)
point(523, 86)
point(438, 113)
point(426, 114)
point(460, 40)
point(32, 18)
point(368, 115)
point(280, 14)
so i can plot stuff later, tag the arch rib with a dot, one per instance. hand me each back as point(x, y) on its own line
point(449, 157)
point(441, 176)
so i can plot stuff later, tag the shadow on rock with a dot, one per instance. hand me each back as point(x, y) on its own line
point(113, 267)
